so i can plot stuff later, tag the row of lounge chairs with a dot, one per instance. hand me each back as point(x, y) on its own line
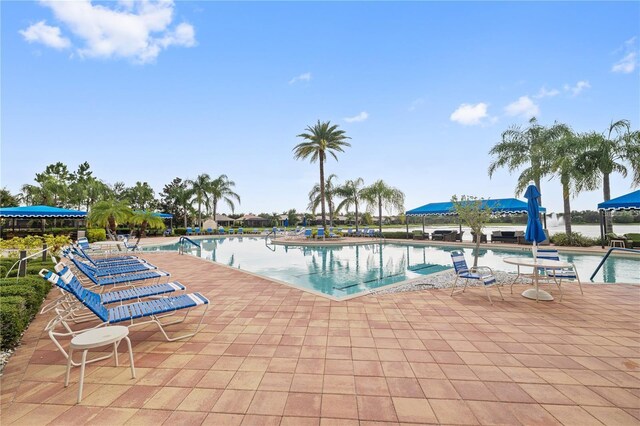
point(100, 289)
point(220, 231)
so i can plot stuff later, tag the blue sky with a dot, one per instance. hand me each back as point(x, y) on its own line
point(150, 92)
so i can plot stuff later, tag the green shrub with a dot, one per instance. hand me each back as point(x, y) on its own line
point(398, 235)
point(96, 234)
point(39, 284)
point(31, 295)
point(577, 240)
point(180, 231)
point(3, 271)
point(13, 320)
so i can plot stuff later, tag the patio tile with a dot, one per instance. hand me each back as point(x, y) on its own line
point(186, 417)
point(371, 386)
point(404, 387)
point(268, 403)
point(452, 411)
point(303, 404)
point(148, 417)
point(441, 389)
point(166, 399)
point(339, 406)
point(217, 419)
point(493, 413)
point(200, 399)
point(571, 415)
point(414, 410)
point(307, 383)
point(339, 384)
point(233, 401)
point(377, 408)
point(276, 381)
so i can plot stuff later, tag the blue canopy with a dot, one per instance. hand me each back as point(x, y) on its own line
point(501, 206)
point(164, 215)
point(630, 201)
point(40, 211)
point(534, 231)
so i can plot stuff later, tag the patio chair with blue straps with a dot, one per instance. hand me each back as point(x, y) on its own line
point(557, 275)
point(88, 273)
point(189, 231)
point(483, 274)
point(221, 230)
point(149, 311)
point(320, 233)
point(105, 260)
point(131, 293)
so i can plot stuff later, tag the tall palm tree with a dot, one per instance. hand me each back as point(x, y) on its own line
point(380, 195)
point(607, 154)
point(565, 152)
point(221, 189)
point(320, 139)
point(200, 188)
point(315, 197)
point(108, 213)
point(350, 191)
point(527, 148)
point(145, 219)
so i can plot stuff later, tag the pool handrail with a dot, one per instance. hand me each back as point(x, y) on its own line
point(183, 239)
point(607, 255)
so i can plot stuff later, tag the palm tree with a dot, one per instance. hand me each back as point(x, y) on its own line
point(221, 189)
point(200, 188)
point(565, 153)
point(145, 219)
point(350, 191)
point(315, 197)
point(525, 147)
point(607, 154)
point(321, 139)
point(380, 195)
point(7, 199)
point(108, 214)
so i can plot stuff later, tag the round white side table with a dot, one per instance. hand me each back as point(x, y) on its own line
point(96, 338)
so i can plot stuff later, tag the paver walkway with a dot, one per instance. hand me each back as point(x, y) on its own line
point(272, 354)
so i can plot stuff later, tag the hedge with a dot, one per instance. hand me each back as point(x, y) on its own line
point(20, 300)
point(96, 234)
point(13, 320)
point(577, 240)
point(399, 235)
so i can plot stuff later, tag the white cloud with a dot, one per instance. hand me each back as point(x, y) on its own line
point(627, 64)
point(470, 114)
point(578, 88)
point(629, 61)
point(357, 118)
point(50, 36)
point(524, 107)
point(546, 93)
point(133, 30)
point(416, 104)
point(302, 77)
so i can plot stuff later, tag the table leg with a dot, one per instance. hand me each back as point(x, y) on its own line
point(133, 369)
point(69, 362)
point(115, 351)
point(539, 294)
point(83, 363)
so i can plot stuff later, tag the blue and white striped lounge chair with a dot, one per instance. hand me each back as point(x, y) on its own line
point(209, 231)
point(308, 233)
point(97, 261)
point(240, 231)
point(557, 275)
point(484, 274)
point(152, 310)
point(129, 247)
point(230, 231)
point(125, 279)
point(189, 231)
point(131, 293)
point(221, 230)
point(196, 230)
point(320, 233)
point(111, 270)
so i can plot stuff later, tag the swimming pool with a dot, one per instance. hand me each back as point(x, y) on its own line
point(342, 271)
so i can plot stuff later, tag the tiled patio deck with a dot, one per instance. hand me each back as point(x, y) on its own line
point(272, 354)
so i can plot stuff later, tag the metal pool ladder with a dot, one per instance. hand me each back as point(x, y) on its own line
point(606, 256)
point(182, 241)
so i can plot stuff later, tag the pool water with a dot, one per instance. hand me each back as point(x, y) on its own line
point(347, 270)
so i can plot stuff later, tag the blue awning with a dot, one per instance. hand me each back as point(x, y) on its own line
point(40, 211)
point(630, 201)
point(164, 215)
point(499, 206)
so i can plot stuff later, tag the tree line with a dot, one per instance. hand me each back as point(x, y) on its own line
point(581, 161)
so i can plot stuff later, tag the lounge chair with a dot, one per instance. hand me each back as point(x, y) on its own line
point(484, 274)
point(240, 231)
point(151, 310)
point(255, 231)
point(197, 230)
point(189, 231)
point(209, 231)
point(167, 232)
point(131, 293)
point(308, 233)
point(127, 279)
point(221, 230)
point(320, 233)
point(557, 275)
point(444, 235)
point(231, 231)
point(112, 260)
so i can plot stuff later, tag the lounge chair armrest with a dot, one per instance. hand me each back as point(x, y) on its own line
point(481, 268)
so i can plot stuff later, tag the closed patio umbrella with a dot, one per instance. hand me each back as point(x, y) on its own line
point(534, 231)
